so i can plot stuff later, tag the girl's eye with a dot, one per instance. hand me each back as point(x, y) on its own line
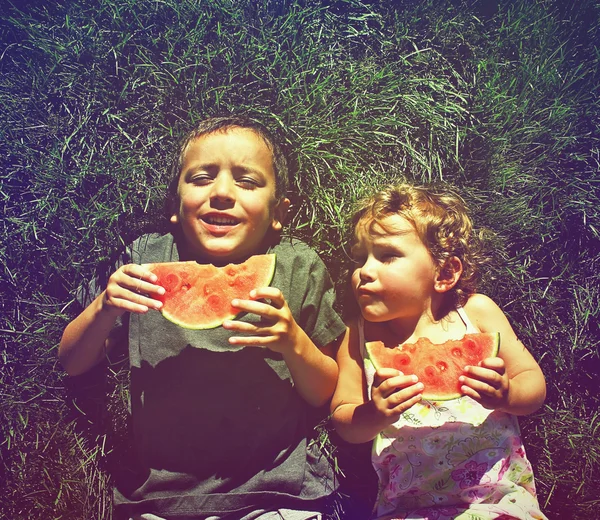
point(389, 257)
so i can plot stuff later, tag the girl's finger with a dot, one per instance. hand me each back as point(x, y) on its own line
point(394, 384)
point(483, 374)
point(481, 387)
point(406, 404)
point(468, 391)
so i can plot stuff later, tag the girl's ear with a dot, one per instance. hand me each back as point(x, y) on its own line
point(448, 274)
point(280, 214)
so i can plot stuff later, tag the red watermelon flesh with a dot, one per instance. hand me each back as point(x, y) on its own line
point(198, 296)
point(438, 366)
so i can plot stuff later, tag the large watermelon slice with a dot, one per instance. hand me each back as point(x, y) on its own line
point(438, 366)
point(198, 296)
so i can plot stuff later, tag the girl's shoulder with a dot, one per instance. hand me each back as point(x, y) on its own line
point(484, 312)
point(479, 303)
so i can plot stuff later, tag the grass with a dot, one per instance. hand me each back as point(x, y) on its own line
point(499, 98)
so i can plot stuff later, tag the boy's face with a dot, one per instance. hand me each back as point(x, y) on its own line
point(226, 195)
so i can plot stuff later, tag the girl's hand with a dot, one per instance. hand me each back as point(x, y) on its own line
point(131, 288)
point(487, 383)
point(393, 393)
point(277, 329)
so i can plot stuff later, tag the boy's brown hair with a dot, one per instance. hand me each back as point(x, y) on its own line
point(222, 124)
point(441, 219)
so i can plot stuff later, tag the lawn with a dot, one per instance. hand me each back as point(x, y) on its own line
point(500, 99)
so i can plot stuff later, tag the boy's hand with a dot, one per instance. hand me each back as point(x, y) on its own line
point(487, 383)
point(393, 393)
point(277, 330)
point(130, 288)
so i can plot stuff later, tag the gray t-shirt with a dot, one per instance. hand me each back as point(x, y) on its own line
point(221, 428)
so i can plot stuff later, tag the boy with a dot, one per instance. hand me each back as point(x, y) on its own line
point(221, 417)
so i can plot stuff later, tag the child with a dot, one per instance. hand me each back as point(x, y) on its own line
point(414, 276)
point(221, 417)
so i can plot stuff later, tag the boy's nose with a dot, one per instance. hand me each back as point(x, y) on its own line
point(223, 187)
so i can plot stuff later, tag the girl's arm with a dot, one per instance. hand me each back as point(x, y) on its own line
point(513, 382)
point(356, 418)
point(84, 341)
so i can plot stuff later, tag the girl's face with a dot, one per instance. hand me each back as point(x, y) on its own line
point(395, 273)
point(226, 192)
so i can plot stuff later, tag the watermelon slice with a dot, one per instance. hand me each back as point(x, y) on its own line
point(198, 296)
point(438, 366)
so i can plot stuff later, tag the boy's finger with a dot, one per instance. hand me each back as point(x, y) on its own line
point(240, 326)
point(255, 307)
point(140, 271)
point(139, 286)
point(251, 341)
point(269, 293)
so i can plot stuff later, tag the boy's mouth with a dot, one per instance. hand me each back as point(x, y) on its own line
point(220, 220)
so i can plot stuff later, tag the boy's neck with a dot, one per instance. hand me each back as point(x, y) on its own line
point(187, 254)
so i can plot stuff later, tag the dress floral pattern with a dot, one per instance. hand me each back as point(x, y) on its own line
point(452, 460)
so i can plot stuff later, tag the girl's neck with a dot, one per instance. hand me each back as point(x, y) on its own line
point(438, 322)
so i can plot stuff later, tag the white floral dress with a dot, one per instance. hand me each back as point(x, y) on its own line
point(452, 460)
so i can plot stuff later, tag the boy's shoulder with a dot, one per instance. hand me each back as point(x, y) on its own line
point(153, 248)
point(293, 247)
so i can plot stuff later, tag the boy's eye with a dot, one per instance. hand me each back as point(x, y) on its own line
point(247, 182)
point(201, 180)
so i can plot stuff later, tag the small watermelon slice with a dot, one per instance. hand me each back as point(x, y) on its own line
point(198, 296)
point(438, 366)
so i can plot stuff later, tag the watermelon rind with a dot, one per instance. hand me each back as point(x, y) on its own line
point(490, 337)
point(264, 281)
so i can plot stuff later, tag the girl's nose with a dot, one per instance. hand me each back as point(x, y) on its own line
point(223, 188)
point(367, 271)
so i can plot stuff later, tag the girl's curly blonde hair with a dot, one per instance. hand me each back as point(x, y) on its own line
point(441, 219)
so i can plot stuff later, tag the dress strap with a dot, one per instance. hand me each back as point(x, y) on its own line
point(361, 336)
point(471, 329)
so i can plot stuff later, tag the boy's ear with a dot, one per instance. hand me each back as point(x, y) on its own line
point(280, 214)
point(448, 274)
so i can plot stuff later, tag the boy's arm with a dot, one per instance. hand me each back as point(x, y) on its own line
point(313, 371)
point(525, 386)
point(356, 418)
point(84, 342)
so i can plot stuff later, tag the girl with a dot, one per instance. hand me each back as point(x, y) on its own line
point(414, 276)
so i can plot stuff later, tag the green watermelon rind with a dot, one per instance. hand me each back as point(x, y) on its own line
point(427, 396)
point(219, 321)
